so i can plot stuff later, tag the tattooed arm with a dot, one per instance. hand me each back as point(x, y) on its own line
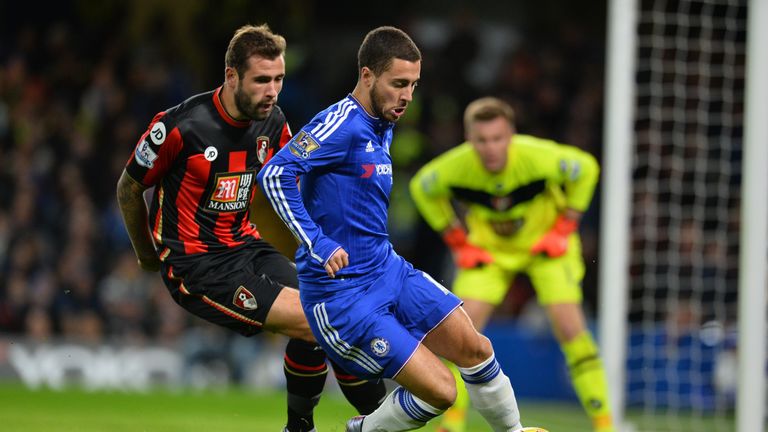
point(130, 198)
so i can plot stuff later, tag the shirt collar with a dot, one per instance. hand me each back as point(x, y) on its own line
point(378, 124)
point(224, 114)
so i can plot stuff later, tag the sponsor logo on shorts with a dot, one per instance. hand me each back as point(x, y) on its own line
point(302, 145)
point(231, 192)
point(380, 346)
point(144, 155)
point(244, 299)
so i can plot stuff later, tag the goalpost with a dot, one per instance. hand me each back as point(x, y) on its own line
point(684, 215)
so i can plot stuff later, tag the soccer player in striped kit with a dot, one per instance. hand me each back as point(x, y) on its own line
point(202, 157)
point(370, 309)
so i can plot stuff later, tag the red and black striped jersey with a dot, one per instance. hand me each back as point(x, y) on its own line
point(203, 164)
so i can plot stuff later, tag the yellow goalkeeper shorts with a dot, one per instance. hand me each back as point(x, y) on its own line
point(556, 280)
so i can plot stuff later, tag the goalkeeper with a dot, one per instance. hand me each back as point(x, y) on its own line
point(524, 197)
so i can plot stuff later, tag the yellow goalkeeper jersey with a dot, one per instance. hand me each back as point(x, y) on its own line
point(506, 211)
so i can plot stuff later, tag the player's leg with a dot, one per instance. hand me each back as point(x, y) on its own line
point(558, 287)
point(433, 313)
point(304, 363)
point(360, 332)
point(481, 289)
point(287, 318)
point(426, 390)
point(455, 418)
point(232, 296)
point(306, 369)
point(489, 389)
point(364, 395)
point(305, 372)
point(584, 363)
point(374, 344)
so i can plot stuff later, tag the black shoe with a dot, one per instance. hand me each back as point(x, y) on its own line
point(355, 424)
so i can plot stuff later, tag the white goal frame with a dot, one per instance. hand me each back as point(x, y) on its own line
point(616, 195)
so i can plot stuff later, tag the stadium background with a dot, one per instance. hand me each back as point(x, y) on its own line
point(79, 82)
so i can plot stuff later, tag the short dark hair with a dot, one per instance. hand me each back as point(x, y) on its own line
point(383, 44)
point(488, 108)
point(252, 40)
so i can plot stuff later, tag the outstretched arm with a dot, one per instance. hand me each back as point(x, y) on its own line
point(130, 198)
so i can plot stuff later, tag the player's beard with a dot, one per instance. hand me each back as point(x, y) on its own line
point(246, 107)
point(377, 105)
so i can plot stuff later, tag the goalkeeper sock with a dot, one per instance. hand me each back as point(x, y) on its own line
point(589, 381)
point(401, 411)
point(491, 395)
point(364, 395)
point(305, 371)
point(455, 417)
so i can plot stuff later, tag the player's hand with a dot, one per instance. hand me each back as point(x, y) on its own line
point(150, 263)
point(465, 254)
point(338, 261)
point(555, 241)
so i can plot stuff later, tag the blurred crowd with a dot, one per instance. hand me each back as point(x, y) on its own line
point(79, 84)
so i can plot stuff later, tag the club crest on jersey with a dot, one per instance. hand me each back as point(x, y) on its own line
point(244, 299)
point(144, 155)
point(380, 346)
point(231, 192)
point(501, 203)
point(262, 147)
point(303, 144)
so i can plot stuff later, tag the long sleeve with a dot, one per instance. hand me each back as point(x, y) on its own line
point(278, 182)
point(580, 172)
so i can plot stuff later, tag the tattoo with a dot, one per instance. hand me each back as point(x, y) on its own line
point(130, 198)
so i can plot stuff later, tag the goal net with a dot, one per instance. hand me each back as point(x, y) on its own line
point(689, 103)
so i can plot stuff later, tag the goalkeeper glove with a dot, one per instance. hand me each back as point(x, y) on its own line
point(465, 254)
point(555, 241)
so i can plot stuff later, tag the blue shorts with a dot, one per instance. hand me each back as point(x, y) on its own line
point(373, 326)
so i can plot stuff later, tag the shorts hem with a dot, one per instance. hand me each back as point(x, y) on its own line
point(422, 339)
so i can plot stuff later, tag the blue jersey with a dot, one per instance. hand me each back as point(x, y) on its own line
point(341, 159)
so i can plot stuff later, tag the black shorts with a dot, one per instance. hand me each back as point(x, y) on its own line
point(235, 288)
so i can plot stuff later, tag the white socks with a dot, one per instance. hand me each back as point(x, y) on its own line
point(491, 395)
point(401, 411)
point(489, 390)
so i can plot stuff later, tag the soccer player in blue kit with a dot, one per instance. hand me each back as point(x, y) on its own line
point(370, 309)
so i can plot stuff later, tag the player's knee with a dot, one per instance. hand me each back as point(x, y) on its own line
point(298, 329)
point(305, 334)
point(475, 352)
point(444, 394)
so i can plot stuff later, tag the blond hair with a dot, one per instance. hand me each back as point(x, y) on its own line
point(487, 108)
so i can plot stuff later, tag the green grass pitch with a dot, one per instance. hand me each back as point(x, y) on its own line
point(73, 410)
